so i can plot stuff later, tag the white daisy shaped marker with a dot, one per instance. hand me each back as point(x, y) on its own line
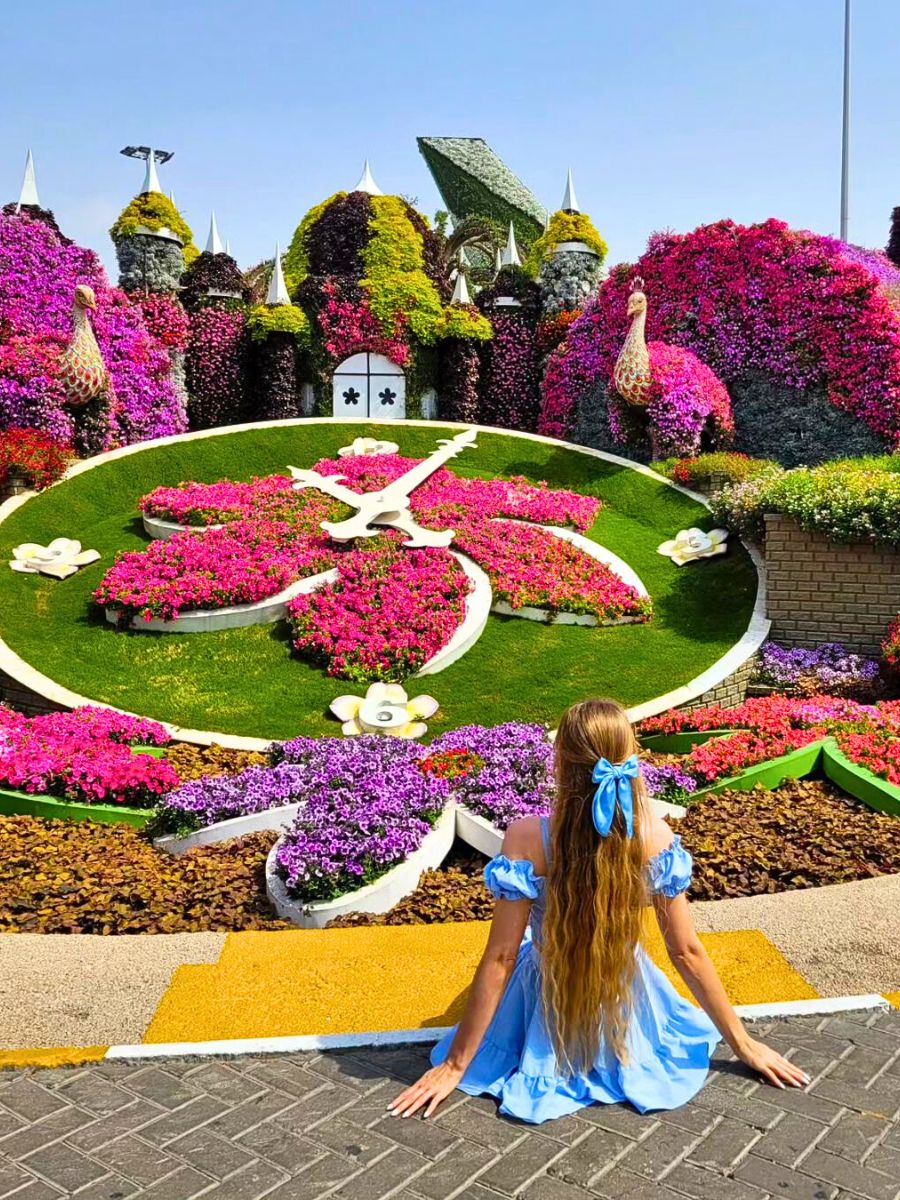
point(691, 544)
point(60, 559)
point(385, 708)
point(367, 446)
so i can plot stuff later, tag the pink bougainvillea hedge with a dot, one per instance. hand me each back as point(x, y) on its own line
point(801, 309)
point(39, 271)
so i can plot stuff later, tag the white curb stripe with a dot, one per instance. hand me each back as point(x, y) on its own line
point(403, 1037)
point(282, 1045)
point(809, 1008)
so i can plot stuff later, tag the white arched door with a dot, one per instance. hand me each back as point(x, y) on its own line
point(369, 385)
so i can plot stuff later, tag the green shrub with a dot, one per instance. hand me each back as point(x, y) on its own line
point(280, 318)
point(155, 211)
point(689, 471)
point(564, 227)
point(849, 500)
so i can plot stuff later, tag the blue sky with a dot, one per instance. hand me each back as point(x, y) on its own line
point(670, 112)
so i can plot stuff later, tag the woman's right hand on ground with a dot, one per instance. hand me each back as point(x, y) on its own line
point(773, 1067)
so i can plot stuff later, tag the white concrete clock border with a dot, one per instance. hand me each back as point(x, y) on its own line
point(377, 897)
point(745, 648)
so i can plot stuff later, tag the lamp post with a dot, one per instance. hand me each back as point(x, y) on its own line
point(845, 131)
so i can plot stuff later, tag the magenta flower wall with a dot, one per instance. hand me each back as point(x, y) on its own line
point(38, 275)
point(216, 366)
point(803, 309)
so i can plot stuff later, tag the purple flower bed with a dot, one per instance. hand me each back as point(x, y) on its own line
point(370, 801)
point(517, 777)
point(207, 801)
point(828, 668)
point(368, 807)
point(668, 783)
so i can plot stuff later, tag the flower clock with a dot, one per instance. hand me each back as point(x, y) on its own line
point(384, 567)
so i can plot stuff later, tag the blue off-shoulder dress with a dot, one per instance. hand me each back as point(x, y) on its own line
point(669, 1040)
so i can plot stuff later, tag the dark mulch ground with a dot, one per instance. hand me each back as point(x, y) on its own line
point(193, 762)
point(804, 834)
point(81, 877)
point(78, 877)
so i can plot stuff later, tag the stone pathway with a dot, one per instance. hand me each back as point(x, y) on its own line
point(313, 1125)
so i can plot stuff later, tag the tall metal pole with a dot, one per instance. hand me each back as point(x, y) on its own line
point(845, 133)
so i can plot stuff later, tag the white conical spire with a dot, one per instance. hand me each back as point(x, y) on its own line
point(228, 249)
point(367, 183)
point(570, 201)
point(462, 258)
point(214, 242)
point(510, 255)
point(498, 260)
point(28, 193)
point(278, 293)
point(151, 178)
point(172, 198)
point(460, 290)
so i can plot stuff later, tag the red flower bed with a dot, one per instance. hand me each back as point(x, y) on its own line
point(769, 726)
point(40, 458)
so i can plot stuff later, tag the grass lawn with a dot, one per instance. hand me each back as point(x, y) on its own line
point(245, 681)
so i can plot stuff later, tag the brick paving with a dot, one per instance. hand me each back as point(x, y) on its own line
point(304, 1126)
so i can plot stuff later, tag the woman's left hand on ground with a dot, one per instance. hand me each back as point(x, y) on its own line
point(434, 1086)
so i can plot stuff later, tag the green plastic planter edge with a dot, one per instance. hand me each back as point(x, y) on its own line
point(770, 774)
point(860, 781)
point(23, 804)
point(682, 742)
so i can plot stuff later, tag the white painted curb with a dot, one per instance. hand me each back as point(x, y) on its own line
point(408, 1037)
point(478, 609)
point(234, 616)
point(745, 648)
point(476, 831)
point(377, 897)
point(223, 831)
point(161, 531)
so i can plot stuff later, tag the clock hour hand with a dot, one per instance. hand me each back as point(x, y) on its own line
point(329, 484)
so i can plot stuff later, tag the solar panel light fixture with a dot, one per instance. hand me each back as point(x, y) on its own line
point(144, 152)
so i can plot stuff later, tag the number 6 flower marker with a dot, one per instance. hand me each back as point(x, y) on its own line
point(390, 505)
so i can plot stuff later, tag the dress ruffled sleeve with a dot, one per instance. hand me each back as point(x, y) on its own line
point(512, 879)
point(670, 870)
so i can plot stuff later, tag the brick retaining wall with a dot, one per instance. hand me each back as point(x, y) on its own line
point(822, 591)
point(730, 692)
point(20, 697)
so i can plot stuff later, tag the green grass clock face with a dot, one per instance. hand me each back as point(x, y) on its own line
point(248, 682)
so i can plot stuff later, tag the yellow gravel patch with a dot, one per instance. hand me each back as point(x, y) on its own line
point(893, 998)
point(60, 1056)
point(288, 983)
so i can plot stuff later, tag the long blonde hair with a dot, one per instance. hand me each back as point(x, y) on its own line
point(595, 893)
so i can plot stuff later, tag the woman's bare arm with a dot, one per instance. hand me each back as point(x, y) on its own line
point(688, 955)
point(488, 986)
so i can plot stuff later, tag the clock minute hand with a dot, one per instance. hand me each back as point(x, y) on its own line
point(397, 494)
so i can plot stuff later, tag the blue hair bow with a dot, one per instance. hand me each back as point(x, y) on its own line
point(614, 787)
